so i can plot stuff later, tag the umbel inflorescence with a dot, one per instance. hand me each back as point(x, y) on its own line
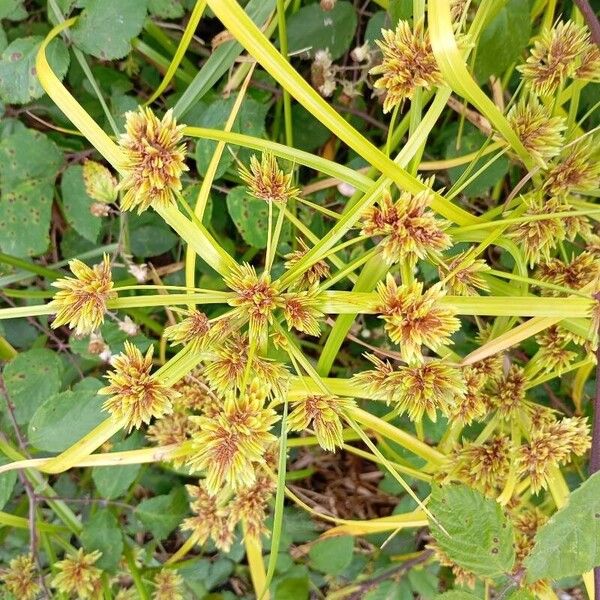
point(243, 367)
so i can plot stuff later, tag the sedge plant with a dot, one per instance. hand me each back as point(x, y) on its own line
point(246, 371)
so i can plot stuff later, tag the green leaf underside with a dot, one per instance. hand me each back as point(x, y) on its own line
point(162, 514)
point(66, 417)
point(18, 77)
point(312, 29)
point(77, 204)
point(105, 27)
point(478, 535)
point(29, 162)
point(30, 378)
point(569, 543)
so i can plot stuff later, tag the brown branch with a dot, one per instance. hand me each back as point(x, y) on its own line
point(33, 537)
point(394, 572)
point(590, 18)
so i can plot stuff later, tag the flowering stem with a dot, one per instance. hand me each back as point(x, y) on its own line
point(256, 564)
point(595, 451)
point(397, 435)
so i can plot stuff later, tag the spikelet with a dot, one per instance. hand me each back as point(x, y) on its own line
point(78, 576)
point(20, 578)
point(153, 160)
point(266, 181)
point(414, 318)
point(411, 231)
point(135, 394)
point(323, 414)
point(554, 57)
point(81, 301)
point(229, 447)
point(408, 63)
point(539, 131)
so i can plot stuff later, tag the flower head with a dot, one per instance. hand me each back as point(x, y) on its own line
point(174, 428)
point(577, 169)
point(226, 365)
point(408, 62)
point(427, 388)
point(472, 406)
point(414, 318)
point(589, 69)
point(311, 276)
point(300, 311)
point(77, 576)
point(554, 57)
point(539, 131)
point(266, 181)
point(411, 231)
point(554, 353)
point(582, 270)
point(168, 585)
point(549, 445)
point(230, 446)
point(135, 394)
point(507, 393)
point(256, 297)
point(210, 519)
point(462, 276)
point(322, 73)
point(482, 466)
point(20, 579)
point(322, 413)
point(153, 160)
point(250, 505)
point(539, 236)
point(416, 390)
point(81, 301)
point(194, 329)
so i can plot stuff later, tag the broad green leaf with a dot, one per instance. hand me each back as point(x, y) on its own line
point(477, 536)
point(7, 483)
point(162, 514)
point(250, 216)
point(30, 378)
point(380, 20)
point(309, 134)
point(471, 141)
point(106, 27)
point(521, 595)
point(66, 417)
point(400, 9)
point(311, 28)
point(18, 78)
point(77, 204)
point(166, 9)
point(568, 543)
point(391, 590)
point(456, 595)
point(292, 588)
point(13, 10)
point(220, 60)
point(29, 162)
point(503, 40)
point(102, 532)
point(250, 121)
point(150, 236)
point(113, 481)
point(332, 555)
